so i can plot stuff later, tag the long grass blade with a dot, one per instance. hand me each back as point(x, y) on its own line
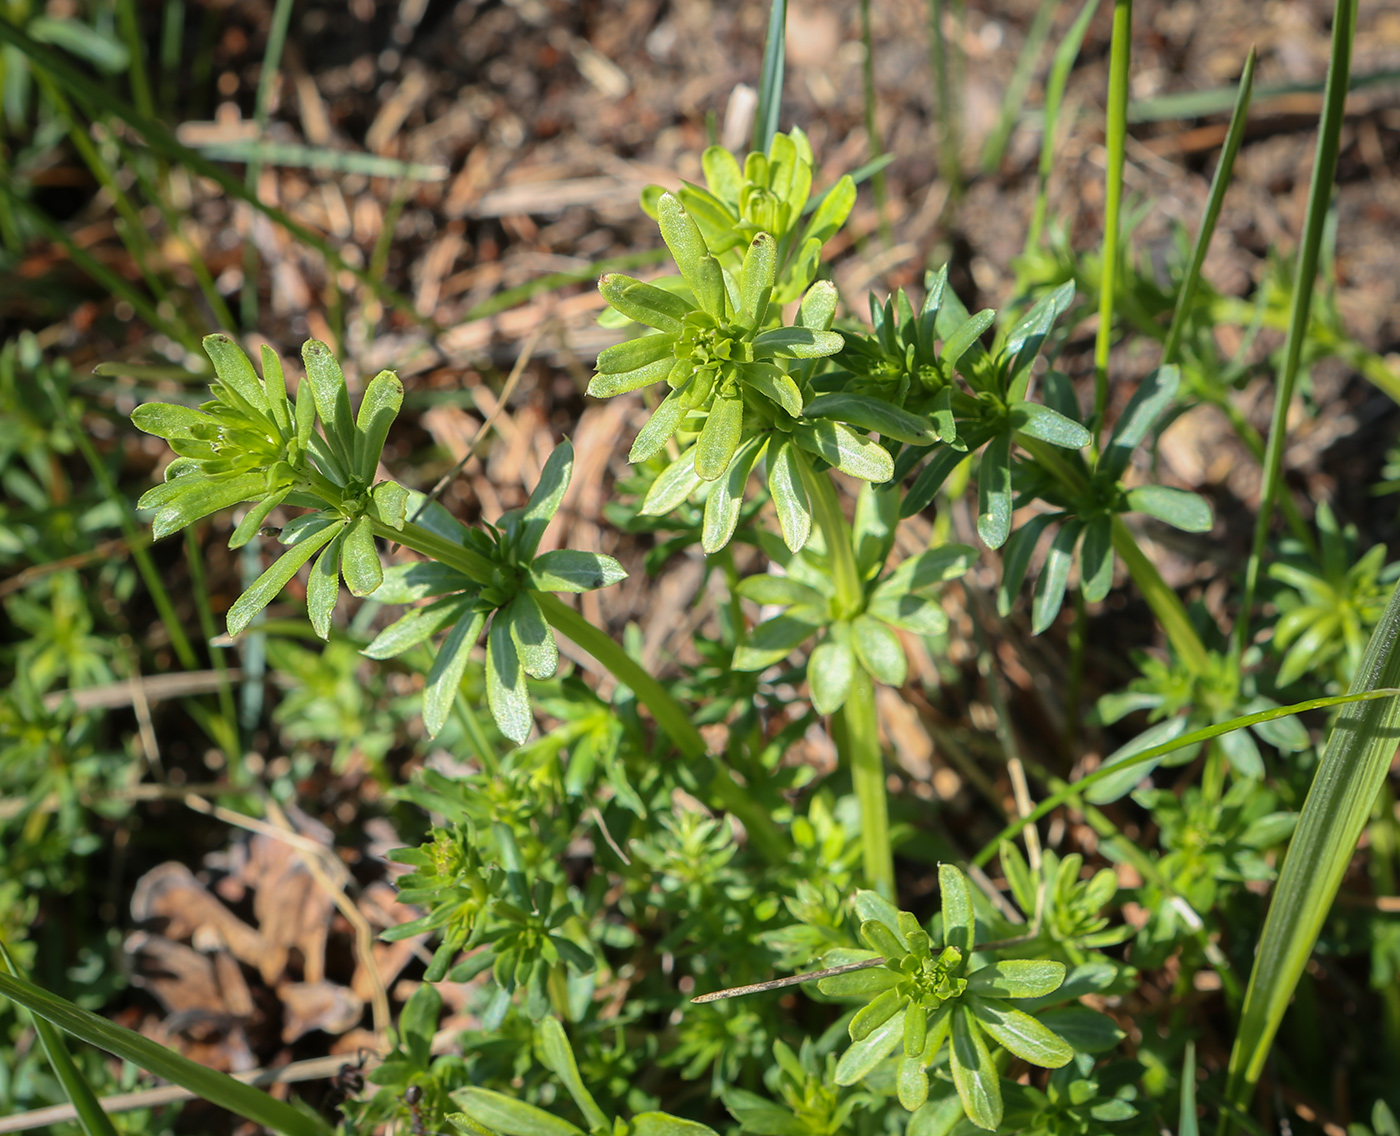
point(296, 155)
point(1234, 136)
point(1353, 768)
point(1115, 137)
point(994, 149)
point(1076, 789)
point(949, 125)
point(1198, 104)
point(216, 1088)
point(872, 123)
point(1305, 275)
point(1060, 67)
point(262, 106)
point(1187, 1124)
point(770, 82)
point(93, 1119)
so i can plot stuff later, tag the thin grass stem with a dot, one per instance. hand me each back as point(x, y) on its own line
point(1305, 275)
point(1116, 132)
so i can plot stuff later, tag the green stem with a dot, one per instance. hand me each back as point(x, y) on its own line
point(1319, 201)
point(854, 727)
point(858, 739)
point(1116, 132)
point(671, 716)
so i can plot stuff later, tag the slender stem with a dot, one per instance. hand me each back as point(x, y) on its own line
point(1319, 201)
point(948, 141)
point(671, 716)
point(858, 739)
point(854, 727)
point(1116, 132)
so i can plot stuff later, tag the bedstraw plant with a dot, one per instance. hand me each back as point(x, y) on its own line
point(611, 875)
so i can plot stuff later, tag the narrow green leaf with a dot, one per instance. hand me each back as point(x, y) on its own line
point(545, 500)
point(994, 492)
point(911, 1083)
point(858, 983)
point(770, 77)
point(266, 587)
point(664, 1124)
point(797, 343)
point(719, 438)
point(1116, 782)
point(1037, 421)
point(700, 270)
point(1149, 402)
point(837, 444)
point(1086, 1030)
point(1018, 978)
point(1054, 577)
point(1096, 559)
point(789, 494)
point(1179, 508)
point(645, 303)
point(506, 692)
point(974, 1072)
point(774, 384)
point(872, 414)
point(378, 409)
point(188, 499)
point(419, 625)
point(722, 173)
point(572, 570)
point(756, 278)
point(558, 1058)
point(968, 333)
point(507, 1116)
point(726, 498)
point(1338, 806)
point(217, 1088)
point(359, 560)
point(959, 922)
point(879, 651)
point(391, 501)
point(675, 485)
point(534, 641)
point(862, 1056)
point(253, 519)
point(323, 587)
point(818, 307)
point(634, 353)
point(829, 673)
point(235, 370)
point(170, 420)
point(445, 676)
point(1016, 559)
point(771, 642)
point(332, 399)
point(659, 428)
point(608, 385)
point(1021, 1034)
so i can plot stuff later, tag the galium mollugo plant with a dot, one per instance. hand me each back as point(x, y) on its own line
point(253, 442)
point(927, 994)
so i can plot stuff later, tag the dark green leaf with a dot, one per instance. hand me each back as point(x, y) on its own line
point(544, 501)
point(1048, 425)
point(974, 1072)
point(446, 674)
point(719, 438)
point(571, 570)
point(959, 922)
point(789, 494)
point(506, 691)
point(726, 498)
point(265, 588)
point(534, 641)
point(645, 303)
point(879, 650)
point(1054, 577)
point(359, 559)
point(1176, 507)
point(700, 270)
point(1018, 978)
point(509, 1117)
point(872, 414)
point(771, 642)
point(378, 409)
point(839, 445)
point(994, 492)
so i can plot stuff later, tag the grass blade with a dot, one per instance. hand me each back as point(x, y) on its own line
point(217, 1088)
point(1060, 67)
point(93, 1119)
point(267, 79)
point(1305, 275)
point(949, 127)
point(1116, 133)
point(1218, 185)
point(1338, 806)
point(995, 147)
point(1187, 1124)
point(872, 125)
point(770, 82)
point(1076, 789)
